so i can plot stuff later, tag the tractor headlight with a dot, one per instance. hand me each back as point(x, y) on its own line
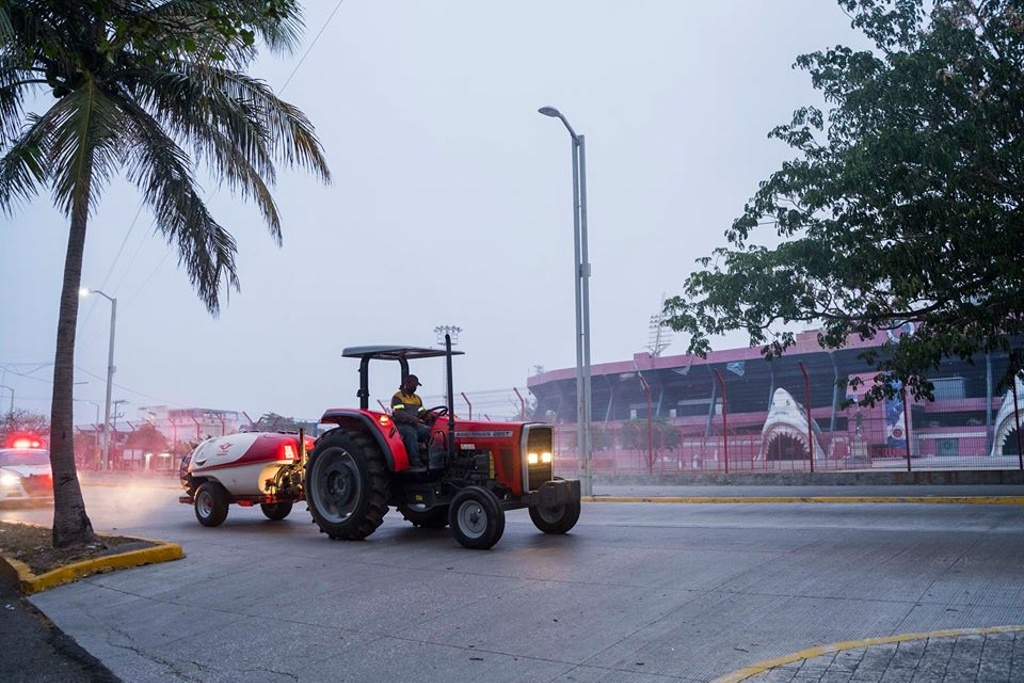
point(534, 458)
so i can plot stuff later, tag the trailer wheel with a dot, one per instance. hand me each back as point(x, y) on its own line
point(555, 519)
point(276, 511)
point(211, 504)
point(346, 485)
point(426, 517)
point(476, 518)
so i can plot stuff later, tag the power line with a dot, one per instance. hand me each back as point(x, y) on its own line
point(311, 46)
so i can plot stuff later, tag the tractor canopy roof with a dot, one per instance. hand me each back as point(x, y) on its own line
point(393, 352)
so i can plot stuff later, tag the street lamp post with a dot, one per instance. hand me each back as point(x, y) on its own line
point(104, 465)
point(453, 333)
point(10, 389)
point(582, 287)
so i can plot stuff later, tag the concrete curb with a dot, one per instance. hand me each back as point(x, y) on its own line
point(28, 583)
point(769, 664)
point(960, 500)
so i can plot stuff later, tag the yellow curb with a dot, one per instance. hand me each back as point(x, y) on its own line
point(765, 666)
point(28, 583)
point(961, 500)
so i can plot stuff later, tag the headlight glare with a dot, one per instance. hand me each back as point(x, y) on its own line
point(532, 458)
point(545, 457)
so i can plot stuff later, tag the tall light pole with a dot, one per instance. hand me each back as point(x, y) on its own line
point(453, 332)
point(10, 389)
point(582, 286)
point(104, 464)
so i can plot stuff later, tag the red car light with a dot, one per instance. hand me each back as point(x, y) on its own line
point(25, 442)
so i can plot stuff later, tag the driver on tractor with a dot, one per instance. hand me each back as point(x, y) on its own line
point(408, 413)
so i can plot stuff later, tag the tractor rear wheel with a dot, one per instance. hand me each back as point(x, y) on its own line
point(346, 485)
point(211, 504)
point(426, 517)
point(275, 511)
point(476, 518)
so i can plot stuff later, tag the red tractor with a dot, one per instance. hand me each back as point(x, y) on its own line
point(477, 470)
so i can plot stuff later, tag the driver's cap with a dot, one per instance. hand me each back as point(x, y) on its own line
point(414, 379)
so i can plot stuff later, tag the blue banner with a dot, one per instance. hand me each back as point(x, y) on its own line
point(894, 433)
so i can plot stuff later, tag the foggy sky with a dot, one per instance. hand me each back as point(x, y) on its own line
point(446, 182)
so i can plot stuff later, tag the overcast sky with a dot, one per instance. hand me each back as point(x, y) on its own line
point(447, 183)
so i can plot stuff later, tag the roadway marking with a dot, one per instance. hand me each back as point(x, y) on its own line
point(765, 666)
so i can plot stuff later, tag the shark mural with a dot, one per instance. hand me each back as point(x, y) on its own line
point(787, 418)
point(1006, 423)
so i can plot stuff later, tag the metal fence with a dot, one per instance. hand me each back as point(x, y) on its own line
point(962, 434)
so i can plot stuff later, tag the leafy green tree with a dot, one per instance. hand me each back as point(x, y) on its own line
point(154, 90)
point(905, 203)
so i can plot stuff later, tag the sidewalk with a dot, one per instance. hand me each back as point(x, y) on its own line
point(990, 654)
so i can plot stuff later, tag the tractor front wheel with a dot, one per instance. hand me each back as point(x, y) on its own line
point(555, 519)
point(275, 511)
point(476, 518)
point(346, 485)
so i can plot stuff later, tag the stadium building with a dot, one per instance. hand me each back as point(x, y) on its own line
point(738, 410)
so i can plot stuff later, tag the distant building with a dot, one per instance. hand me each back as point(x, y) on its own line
point(762, 406)
point(191, 425)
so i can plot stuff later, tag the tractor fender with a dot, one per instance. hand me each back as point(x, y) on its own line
point(365, 423)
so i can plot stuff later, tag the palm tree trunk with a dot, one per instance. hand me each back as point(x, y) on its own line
point(71, 525)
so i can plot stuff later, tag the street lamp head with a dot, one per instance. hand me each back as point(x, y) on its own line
point(85, 291)
point(554, 113)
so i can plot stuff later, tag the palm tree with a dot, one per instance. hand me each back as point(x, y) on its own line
point(152, 90)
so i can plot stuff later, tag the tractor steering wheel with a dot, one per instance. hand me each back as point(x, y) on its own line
point(431, 414)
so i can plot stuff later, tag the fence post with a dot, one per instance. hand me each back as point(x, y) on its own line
point(522, 405)
point(906, 422)
point(810, 428)
point(1016, 418)
point(725, 421)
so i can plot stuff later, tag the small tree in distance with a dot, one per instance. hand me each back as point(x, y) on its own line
point(20, 421)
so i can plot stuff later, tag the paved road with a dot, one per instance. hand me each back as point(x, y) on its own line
point(637, 592)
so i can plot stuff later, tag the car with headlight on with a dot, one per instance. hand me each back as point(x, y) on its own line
point(25, 475)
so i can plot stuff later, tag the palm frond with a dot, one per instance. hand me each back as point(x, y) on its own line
point(23, 168)
point(164, 173)
point(87, 132)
